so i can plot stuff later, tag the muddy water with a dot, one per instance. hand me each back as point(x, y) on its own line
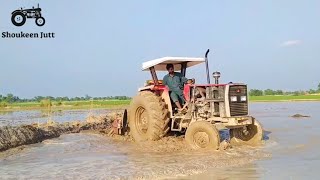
point(95, 156)
point(293, 142)
point(14, 118)
point(291, 151)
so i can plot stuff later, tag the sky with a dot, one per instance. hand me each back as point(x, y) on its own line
point(99, 46)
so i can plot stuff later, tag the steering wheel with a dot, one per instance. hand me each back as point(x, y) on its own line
point(191, 81)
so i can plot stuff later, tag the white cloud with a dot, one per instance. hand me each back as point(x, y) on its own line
point(290, 43)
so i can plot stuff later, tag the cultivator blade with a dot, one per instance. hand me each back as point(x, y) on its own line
point(120, 125)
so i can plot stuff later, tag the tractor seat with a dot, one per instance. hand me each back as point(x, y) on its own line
point(151, 82)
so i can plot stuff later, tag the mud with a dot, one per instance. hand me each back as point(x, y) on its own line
point(169, 143)
point(103, 124)
point(95, 153)
point(299, 116)
point(14, 136)
point(94, 156)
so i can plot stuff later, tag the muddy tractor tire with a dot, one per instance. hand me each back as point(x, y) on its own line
point(148, 117)
point(252, 136)
point(202, 135)
point(18, 19)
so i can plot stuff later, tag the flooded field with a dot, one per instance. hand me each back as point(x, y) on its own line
point(291, 151)
point(14, 118)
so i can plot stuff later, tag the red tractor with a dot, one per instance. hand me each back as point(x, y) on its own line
point(152, 114)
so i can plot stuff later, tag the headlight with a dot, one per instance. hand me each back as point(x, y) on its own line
point(243, 98)
point(233, 98)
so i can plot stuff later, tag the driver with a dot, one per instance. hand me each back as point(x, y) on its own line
point(175, 81)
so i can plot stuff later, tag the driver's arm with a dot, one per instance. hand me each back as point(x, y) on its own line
point(164, 81)
point(183, 79)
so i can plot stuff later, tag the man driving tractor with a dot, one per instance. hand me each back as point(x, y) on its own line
point(175, 82)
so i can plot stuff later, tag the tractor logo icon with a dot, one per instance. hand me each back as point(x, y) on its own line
point(19, 16)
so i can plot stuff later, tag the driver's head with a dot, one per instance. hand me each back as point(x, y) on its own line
point(170, 68)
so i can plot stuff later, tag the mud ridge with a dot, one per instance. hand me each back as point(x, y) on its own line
point(300, 116)
point(14, 136)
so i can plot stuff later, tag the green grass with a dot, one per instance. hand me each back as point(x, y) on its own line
point(64, 105)
point(114, 104)
point(285, 98)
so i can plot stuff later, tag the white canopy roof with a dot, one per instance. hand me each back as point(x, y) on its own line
point(160, 64)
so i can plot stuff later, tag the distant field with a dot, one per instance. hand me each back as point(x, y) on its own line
point(114, 104)
point(110, 104)
point(285, 98)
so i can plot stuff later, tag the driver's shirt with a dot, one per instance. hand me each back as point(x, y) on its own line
point(175, 82)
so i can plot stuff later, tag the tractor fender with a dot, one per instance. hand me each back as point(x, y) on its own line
point(164, 93)
point(16, 11)
point(146, 88)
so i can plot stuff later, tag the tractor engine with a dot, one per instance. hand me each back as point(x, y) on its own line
point(222, 100)
point(202, 110)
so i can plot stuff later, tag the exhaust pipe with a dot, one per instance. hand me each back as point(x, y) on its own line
point(207, 66)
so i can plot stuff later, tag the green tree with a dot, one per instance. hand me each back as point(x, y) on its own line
point(255, 92)
point(297, 93)
point(38, 98)
point(269, 92)
point(65, 98)
point(50, 97)
point(312, 91)
point(10, 98)
point(15, 99)
point(279, 92)
point(87, 97)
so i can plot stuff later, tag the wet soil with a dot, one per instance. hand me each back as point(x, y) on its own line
point(89, 155)
point(14, 136)
point(62, 151)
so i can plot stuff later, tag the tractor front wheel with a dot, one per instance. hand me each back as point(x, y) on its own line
point(202, 135)
point(40, 21)
point(251, 135)
point(148, 117)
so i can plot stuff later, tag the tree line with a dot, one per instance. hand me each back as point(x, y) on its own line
point(10, 98)
point(270, 92)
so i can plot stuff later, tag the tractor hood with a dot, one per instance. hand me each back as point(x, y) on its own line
point(160, 64)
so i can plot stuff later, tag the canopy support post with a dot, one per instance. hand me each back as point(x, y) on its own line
point(184, 68)
point(154, 75)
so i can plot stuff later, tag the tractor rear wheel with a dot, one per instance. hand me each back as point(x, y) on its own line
point(252, 135)
point(18, 18)
point(148, 117)
point(202, 134)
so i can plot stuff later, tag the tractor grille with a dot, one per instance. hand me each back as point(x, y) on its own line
point(238, 108)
